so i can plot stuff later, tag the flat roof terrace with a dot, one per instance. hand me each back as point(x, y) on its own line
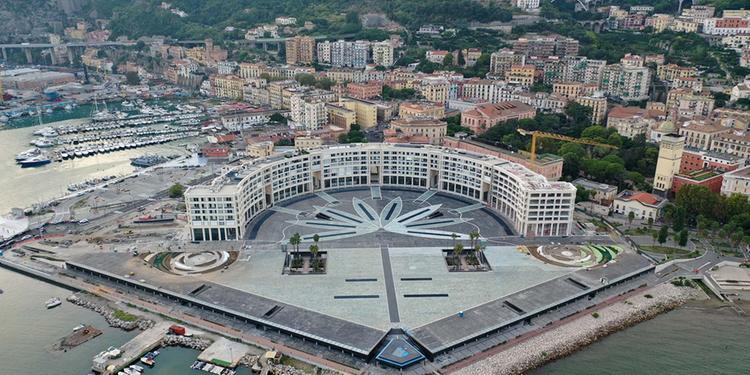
point(350, 336)
point(454, 330)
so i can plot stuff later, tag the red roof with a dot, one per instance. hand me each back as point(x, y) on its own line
point(645, 198)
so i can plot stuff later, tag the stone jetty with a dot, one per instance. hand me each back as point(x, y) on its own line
point(109, 314)
point(578, 333)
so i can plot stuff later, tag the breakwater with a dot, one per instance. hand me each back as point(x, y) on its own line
point(573, 335)
point(113, 318)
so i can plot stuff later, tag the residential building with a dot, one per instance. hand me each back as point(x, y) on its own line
point(660, 22)
point(741, 90)
point(433, 130)
point(259, 149)
point(350, 54)
point(526, 4)
point(244, 120)
point(542, 45)
point(421, 110)
point(598, 104)
point(228, 87)
point(471, 56)
point(548, 165)
point(600, 193)
point(699, 12)
point(626, 81)
point(688, 103)
point(632, 121)
point(340, 116)
point(685, 25)
point(286, 21)
point(502, 60)
point(324, 52)
point(708, 178)
point(572, 90)
point(643, 205)
point(485, 116)
point(307, 143)
point(436, 56)
point(701, 133)
point(530, 204)
point(367, 90)
point(276, 92)
point(736, 182)
point(726, 26)
point(521, 75)
point(671, 72)
point(308, 112)
point(300, 50)
point(734, 144)
point(435, 89)
point(668, 162)
point(382, 53)
point(226, 67)
point(366, 112)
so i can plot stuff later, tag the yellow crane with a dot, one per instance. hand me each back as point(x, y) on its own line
point(540, 134)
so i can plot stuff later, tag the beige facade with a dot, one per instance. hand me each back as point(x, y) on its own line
point(598, 105)
point(307, 143)
point(435, 89)
point(701, 135)
point(668, 163)
point(300, 50)
point(341, 116)
point(736, 182)
point(434, 130)
point(522, 75)
point(229, 87)
point(367, 112)
point(421, 110)
point(260, 149)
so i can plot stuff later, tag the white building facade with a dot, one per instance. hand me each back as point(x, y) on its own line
point(532, 205)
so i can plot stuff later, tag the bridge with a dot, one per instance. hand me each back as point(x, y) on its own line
point(71, 46)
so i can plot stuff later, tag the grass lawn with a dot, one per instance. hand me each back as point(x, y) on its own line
point(665, 250)
point(125, 317)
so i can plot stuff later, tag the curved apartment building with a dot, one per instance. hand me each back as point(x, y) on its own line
point(532, 205)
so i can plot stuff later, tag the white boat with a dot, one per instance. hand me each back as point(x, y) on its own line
point(28, 154)
point(53, 302)
point(78, 327)
point(137, 368)
point(35, 161)
point(42, 143)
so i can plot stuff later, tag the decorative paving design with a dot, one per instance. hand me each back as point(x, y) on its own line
point(576, 255)
point(191, 263)
point(420, 222)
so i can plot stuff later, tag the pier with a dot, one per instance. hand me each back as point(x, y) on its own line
point(132, 350)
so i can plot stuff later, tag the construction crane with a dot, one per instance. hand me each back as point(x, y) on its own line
point(539, 134)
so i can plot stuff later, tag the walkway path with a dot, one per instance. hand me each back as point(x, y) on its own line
point(390, 289)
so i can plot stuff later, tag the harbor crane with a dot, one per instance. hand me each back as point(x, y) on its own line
point(540, 134)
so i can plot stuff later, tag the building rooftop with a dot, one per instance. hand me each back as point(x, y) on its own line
point(593, 185)
point(647, 199)
point(740, 173)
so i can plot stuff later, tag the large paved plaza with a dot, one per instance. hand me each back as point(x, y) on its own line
point(386, 268)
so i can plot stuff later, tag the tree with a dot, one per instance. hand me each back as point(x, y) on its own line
point(454, 236)
point(316, 238)
point(278, 118)
point(132, 78)
point(457, 250)
point(473, 237)
point(448, 60)
point(176, 191)
point(678, 218)
point(663, 233)
point(650, 222)
point(314, 249)
point(682, 241)
point(631, 217)
point(654, 236)
point(295, 241)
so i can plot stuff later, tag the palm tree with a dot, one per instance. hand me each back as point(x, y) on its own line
point(316, 238)
point(314, 250)
point(454, 236)
point(295, 241)
point(457, 250)
point(473, 236)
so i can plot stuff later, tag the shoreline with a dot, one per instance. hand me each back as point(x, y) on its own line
point(583, 330)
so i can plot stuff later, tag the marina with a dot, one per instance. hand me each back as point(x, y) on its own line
point(108, 132)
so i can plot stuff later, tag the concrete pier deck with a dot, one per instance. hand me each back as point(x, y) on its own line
point(137, 347)
point(224, 352)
